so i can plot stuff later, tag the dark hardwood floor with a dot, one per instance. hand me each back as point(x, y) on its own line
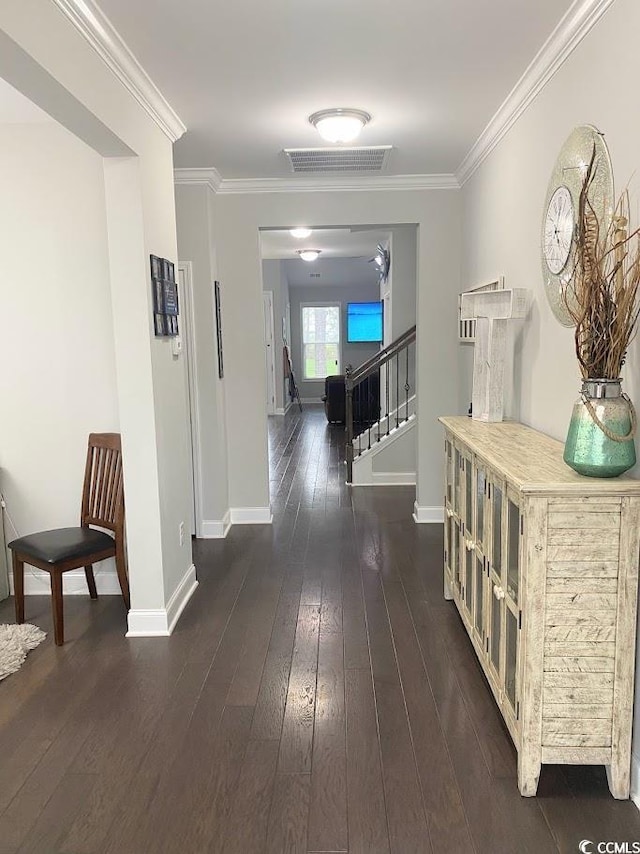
point(318, 695)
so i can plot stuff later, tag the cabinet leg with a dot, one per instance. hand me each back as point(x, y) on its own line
point(528, 775)
point(619, 779)
point(448, 594)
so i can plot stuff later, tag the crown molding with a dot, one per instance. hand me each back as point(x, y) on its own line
point(212, 178)
point(188, 175)
point(574, 26)
point(98, 30)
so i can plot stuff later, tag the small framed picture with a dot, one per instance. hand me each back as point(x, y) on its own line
point(159, 324)
point(172, 324)
point(156, 267)
point(170, 292)
point(169, 270)
point(158, 296)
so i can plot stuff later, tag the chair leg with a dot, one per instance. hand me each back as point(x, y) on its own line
point(56, 601)
point(91, 581)
point(121, 569)
point(18, 587)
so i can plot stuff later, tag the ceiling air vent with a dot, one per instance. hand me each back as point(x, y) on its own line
point(342, 159)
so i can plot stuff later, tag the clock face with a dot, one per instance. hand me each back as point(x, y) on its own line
point(559, 226)
point(561, 208)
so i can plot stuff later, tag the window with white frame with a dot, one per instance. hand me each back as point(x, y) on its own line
point(320, 341)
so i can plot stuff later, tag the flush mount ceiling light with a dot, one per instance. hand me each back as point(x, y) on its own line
point(309, 254)
point(300, 233)
point(338, 124)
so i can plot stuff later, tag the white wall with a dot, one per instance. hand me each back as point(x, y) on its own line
point(240, 216)
point(193, 216)
point(353, 354)
point(502, 215)
point(398, 457)
point(402, 278)
point(58, 374)
point(44, 56)
point(400, 291)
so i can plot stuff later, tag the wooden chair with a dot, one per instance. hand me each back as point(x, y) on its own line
point(70, 548)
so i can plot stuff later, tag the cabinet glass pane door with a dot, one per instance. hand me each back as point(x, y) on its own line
point(468, 496)
point(496, 632)
point(480, 495)
point(512, 658)
point(479, 598)
point(496, 538)
point(456, 482)
point(448, 474)
point(513, 546)
point(468, 579)
point(454, 541)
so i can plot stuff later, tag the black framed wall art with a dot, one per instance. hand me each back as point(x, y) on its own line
point(164, 290)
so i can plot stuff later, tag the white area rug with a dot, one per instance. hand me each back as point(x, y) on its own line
point(15, 643)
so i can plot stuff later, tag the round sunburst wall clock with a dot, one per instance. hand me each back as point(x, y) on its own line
point(561, 210)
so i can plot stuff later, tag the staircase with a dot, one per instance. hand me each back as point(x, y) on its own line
point(380, 415)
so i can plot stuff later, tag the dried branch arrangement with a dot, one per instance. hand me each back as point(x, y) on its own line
point(606, 279)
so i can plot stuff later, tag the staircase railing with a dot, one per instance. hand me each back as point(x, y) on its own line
point(371, 389)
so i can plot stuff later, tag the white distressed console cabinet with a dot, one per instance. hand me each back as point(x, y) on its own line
point(543, 566)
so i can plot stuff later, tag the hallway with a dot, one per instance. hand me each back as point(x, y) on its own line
point(318, 695)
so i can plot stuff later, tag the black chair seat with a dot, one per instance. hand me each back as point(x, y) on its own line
point(62, 544)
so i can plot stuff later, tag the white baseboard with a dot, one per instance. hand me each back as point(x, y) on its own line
point(635, 780)
point(388, 478)
point(160, 622)
point(250, 516)
point(308, 400)
point(74, 583)
point(427, 515)
point(215, 529)
point(282, 410)
point(394, 478)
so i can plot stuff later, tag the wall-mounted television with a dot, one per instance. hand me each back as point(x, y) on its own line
point(364, 322)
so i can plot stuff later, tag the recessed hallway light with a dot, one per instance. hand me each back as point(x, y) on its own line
point(338, 124)
point(309, 254)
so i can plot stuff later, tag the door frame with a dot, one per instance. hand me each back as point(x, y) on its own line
point(187, 333)
point(270, 364)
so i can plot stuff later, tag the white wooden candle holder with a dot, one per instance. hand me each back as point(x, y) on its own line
point(492, 310)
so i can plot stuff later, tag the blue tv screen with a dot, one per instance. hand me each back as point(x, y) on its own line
point(364, 322)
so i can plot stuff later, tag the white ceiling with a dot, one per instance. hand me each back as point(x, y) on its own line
point(245, 76)
point(331, 272)
point(16, 109)
point(333, 243)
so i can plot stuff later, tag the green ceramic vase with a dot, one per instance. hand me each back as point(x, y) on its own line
point(588, 450)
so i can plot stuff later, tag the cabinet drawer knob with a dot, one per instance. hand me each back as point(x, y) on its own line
point(498, 592)
point(470, 545)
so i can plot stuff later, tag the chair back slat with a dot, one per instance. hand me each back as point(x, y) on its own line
point(110, 484)
point(103, 494)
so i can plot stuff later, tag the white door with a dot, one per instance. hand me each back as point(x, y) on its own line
point(187, 357)
point(270, 364)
